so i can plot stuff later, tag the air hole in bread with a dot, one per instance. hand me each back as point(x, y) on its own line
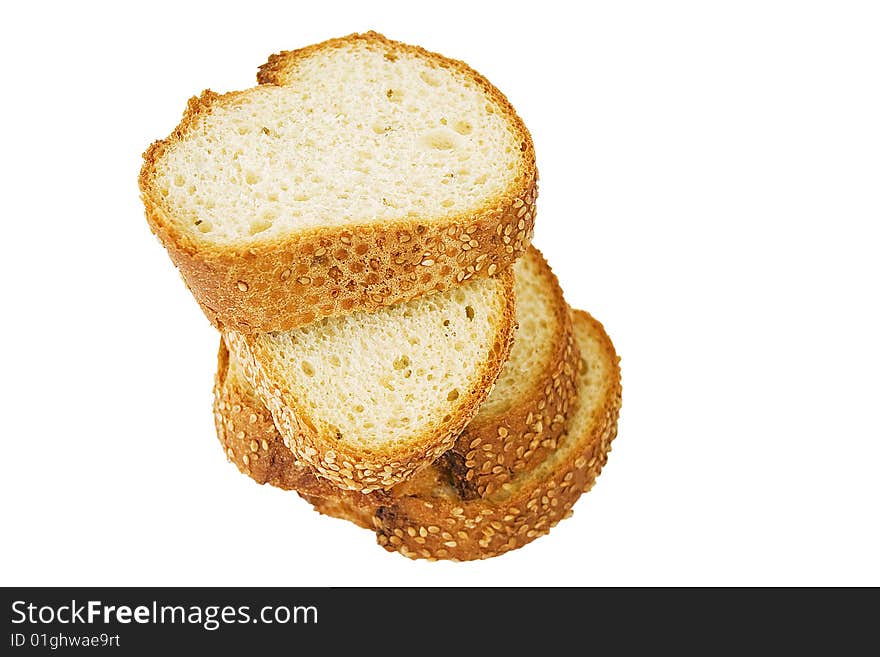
point(469, 311)
point(429, 79)
point(307, 368)
point(441, 139)
point(259, 225)
point(462, 127)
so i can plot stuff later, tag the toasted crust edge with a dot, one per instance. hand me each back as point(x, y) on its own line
point(344, 464)
point(279, 284)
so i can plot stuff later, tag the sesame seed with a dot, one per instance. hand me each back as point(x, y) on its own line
point(285, 274)
point(303, 280)
point(492, 269)
point(242, 286)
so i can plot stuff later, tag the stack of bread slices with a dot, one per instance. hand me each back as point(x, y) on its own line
point(358, 227)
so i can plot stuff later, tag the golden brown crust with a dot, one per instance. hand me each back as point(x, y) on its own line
point(491, 450)
point(427, 517)
point(355, 468)
point(281, 283)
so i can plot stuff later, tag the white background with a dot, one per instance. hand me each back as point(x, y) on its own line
point(710, 190)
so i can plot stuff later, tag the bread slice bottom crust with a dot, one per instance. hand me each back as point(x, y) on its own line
point(427, 517)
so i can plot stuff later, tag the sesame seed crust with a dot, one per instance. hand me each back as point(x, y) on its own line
point(278, 284)
point(317, 444)
point(427, 517)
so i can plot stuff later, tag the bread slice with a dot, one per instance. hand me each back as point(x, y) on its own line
point(514, 429)
point(368, 398)
point(377, 173)
point(428, 516)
